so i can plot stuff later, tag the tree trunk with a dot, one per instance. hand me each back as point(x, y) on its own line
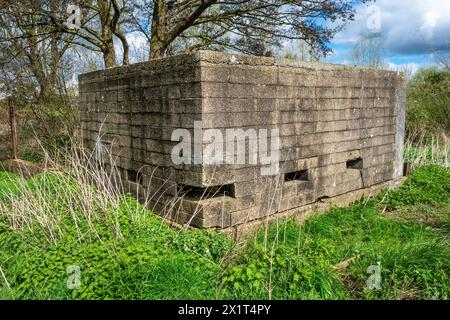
point(47, 84)
point(45, 92)
point(158, 43)
point(125, 46)
point(109, 55)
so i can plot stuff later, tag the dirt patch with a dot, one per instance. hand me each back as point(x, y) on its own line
point(409, 294)
point(354, 286)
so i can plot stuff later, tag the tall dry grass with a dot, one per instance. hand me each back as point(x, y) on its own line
point(85, 190)
point(422, 149)
point(79, 189)
point(75, 188)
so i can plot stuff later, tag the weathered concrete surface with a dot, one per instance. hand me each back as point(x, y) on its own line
point(301, 214)
point(327, 115)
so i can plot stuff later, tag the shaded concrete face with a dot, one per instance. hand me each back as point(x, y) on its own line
point(341, 129)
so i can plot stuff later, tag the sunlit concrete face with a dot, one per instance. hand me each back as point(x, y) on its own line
point(339, 130)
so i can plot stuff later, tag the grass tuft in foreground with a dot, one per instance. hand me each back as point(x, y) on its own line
point(404, 232)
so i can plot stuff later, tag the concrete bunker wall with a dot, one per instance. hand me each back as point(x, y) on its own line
point(341, 131)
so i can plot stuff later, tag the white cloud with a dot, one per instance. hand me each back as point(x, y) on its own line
point(430, 22)
point(407, 26)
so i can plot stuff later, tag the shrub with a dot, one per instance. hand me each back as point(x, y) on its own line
point(428, 107)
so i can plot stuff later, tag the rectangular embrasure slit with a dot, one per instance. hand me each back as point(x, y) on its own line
point(301, 175)
point(134, 176)
point(199, 193)
point(355, 164)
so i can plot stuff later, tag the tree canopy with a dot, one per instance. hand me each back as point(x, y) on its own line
point(37, 34)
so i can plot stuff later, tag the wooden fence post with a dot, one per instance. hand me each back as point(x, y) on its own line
point(12, 125)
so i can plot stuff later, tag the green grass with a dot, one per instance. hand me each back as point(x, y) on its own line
point(152, 261)
point(425, 186)
point(403, 231)
point(8, 184)
point(413, 258)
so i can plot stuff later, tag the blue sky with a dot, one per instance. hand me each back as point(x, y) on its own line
point(414, 32)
